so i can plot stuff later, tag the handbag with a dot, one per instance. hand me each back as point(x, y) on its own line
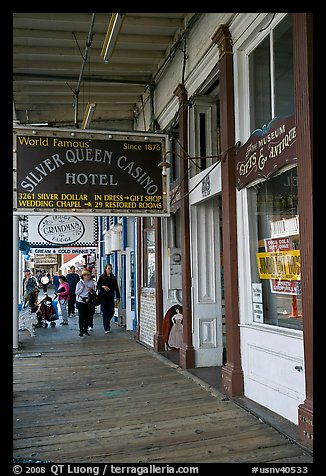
point(93, 299)
point(97, 300)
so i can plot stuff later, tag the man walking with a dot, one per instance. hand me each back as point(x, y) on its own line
point(72, 278)
point(29, 286)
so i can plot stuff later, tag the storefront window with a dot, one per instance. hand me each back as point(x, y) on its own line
point(275, 251)
point(273, 203)
point(260, 85)
point(283, 68)
point(149, 253)
point(271, 76)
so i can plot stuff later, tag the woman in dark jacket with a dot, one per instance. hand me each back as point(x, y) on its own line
point(107, 287)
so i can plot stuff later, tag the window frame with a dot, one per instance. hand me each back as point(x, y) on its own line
point(204, 110)
point(247, 34)
point(148, 227)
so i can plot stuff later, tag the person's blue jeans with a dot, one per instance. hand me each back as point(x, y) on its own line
point(64, 310)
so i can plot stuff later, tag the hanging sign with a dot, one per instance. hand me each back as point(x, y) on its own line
point(62, 231)
point(74, 172)
point(266, 151)
point(63, 251)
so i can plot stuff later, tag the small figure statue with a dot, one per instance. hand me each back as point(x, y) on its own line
point(176, 334)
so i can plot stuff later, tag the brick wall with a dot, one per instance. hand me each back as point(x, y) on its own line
point(147, 318)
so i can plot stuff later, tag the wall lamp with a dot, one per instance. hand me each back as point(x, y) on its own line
point(90, 109)
point(111, 36)
point(164, 166)
point(23, 223)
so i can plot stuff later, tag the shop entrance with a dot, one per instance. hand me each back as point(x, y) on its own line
point(207, 296)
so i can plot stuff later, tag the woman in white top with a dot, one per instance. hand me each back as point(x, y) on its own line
point(83, 289)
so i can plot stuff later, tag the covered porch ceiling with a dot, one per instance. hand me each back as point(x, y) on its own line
point(63, 61)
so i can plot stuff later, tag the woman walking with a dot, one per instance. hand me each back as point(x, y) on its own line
point(108, 289)
point(63, 297)
point(83, 290)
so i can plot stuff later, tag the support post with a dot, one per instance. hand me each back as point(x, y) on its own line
point(303, 87)
point(232, 375)
point(158, 336)
point(15, 281)
point(139, 232)
point(187, 351)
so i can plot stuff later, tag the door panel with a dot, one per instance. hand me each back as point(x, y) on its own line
point(207, 305)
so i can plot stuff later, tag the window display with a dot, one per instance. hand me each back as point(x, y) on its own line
point(275, 251)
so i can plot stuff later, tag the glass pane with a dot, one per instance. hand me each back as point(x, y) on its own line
point(283, 68)
point(202, 140)
point(275, 255)
point(174, 156)
point(260, 89)
point(150, 246)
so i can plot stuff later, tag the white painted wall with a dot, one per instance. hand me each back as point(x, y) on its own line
point(202, 58)
point(269, 358)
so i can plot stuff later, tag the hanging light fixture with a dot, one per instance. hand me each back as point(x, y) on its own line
point(89, 113)
point(111, 36)
point(23, 243)
point(23, 221)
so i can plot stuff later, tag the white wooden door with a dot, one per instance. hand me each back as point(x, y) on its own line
point(207, 303)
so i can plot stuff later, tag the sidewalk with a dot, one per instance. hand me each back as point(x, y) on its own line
point(106, 398)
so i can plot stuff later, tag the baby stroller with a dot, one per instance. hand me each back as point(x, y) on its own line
point(27, 314)
point(46, 313)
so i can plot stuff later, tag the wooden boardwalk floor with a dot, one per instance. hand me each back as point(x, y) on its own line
point(108, 399)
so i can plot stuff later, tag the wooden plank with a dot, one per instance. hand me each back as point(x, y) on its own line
point(117, 425)
point(187, 446)
point(109, 400)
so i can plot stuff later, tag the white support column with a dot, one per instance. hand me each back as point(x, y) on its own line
point(15, 283)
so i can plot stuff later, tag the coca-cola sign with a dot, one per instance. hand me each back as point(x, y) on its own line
point(266, 151)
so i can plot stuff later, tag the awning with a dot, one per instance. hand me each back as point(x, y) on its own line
point(77, 261)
